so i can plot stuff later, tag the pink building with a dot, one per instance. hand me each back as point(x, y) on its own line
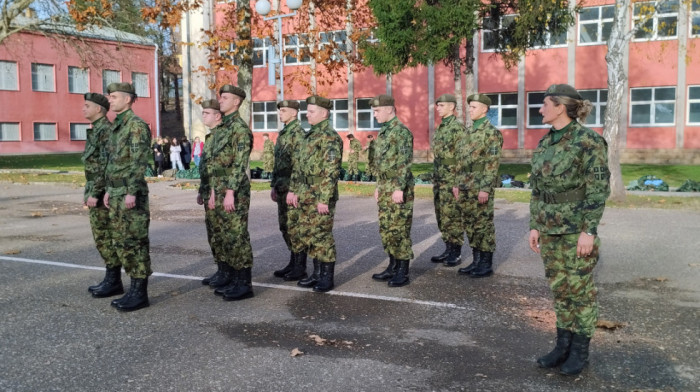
point(43, 79)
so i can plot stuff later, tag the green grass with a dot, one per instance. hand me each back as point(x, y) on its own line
point(67, 162)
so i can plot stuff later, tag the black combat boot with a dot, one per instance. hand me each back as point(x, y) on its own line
point(483, 267)
point(110, 285)
point(578, 356)
point(137, 297)
point(224, 279)
point(400, 278)
point(455, 256)
point(389, 272)
point(313, 279)
point(298, 270)
point(281, 272)
point(441, 257)
point(325, 279)
point(217, 274)
point(476, 254)
point(243, 288)
point(560, 352)
point(231, 284)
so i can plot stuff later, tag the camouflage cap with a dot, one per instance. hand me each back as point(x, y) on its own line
point(211, 104)
point(563, 90)
point(122, 87)
point(228, 88)
point(98, 99)
point(483, 98)
point(382, 100)
point(288, 104)
point(447, 98)
point(320, 101)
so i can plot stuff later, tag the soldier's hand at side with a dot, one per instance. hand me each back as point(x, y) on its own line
point(292, 200)
point(200, 201)
point(91, 202)
point(273, 194)
point(397, 197)
point(376, 194)
point(212, 200)
point(483, 197)
point(584, 247)
point(229, 201)
point(455, 192)
point(322, 208)
point(535, 240)
point(130, 201)
point(105, 200)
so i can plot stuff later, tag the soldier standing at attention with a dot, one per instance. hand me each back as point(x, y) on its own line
point(281, 175)
point(570, 183)
point(445, 157)
point(481, 152)
point(268, 156)
point(355, 148)
point(95, 159)
point(314, 192)
point(394, 192)
point(226, 164)
point(371, 170)
point(127, 194)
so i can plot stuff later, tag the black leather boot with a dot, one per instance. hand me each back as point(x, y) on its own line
point(389, 272)
point(455, 256)
point(207, 281)
point(325, 279)
point(243, 288)
point(441, 257)
point(224, 279)
point(137, 298)
point(400, 278)
point(476, 254)
point(110, 285)
point(313, 279)
point(281, 272)
point(231, 284)
point(298, 270)
point(560, 352)
point(578, 356)
point(483, 267)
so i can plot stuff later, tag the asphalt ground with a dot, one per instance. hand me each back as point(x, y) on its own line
point(443, 332)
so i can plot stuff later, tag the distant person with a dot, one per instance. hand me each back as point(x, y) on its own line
point(165, 145)
point(353, 157)
point(186, 153)
point(197, 150)
point(158, 157)
point(175, 157)
point(268, 156)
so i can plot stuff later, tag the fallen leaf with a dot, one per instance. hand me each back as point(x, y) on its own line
point(693, 264)
point(13, 252)
point(611, 325)
point(318, 340)
point(661, 279)
point(481, 375)
point(37, 214)
point(296, 352)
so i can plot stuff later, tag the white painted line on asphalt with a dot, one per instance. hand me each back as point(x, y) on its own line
point(268, 285)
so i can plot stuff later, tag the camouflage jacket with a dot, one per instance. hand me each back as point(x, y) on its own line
point(284, 150)
point(370, 155)
point(569, 181)
point(204, 187)
point(480, 156)
point(393, 157)
point(268, 155)
point(445, 151)
point(227, 155)
point(128, 151)
point(95, 158)
point(317, 165)
point(355, 148)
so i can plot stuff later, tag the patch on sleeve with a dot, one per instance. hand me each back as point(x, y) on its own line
point(493, 150)
point(241, 146)
point(135, 146)
point(404, 150)
point(331, 155)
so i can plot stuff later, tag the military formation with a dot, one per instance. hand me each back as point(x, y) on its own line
point(569, 182)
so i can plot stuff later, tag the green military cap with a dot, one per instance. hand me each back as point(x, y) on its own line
point(382, 100)
point(122, 87)
point(98, 99)
point(320, 101)
point(288, 104)
point(563, 90)
point(228, 88)
point(447, 98)
point(211, 104)
point(483, 98)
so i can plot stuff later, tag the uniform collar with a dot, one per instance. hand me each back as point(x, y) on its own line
point(477, 123)
point(123, 116)
point(558, 134)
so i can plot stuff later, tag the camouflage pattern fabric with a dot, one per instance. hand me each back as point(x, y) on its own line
point(128, 151)
point(281, 175)
point(371, 169)
point(317, 159)
point(205, 193)
point(394, 147)
point(268, 156)
point(355, 148)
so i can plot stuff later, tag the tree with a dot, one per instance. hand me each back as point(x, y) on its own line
point(20, 15)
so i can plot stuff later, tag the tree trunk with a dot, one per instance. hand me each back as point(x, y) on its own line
point(469, 74)
point(178, 104)
point(457, 73)
point(245, 68)
point(312, 47)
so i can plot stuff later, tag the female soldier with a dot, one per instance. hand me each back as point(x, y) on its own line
point(570, 183)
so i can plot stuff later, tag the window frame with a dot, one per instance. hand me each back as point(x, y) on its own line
point(36, 84)
point(694, 20)
point(73, 131)
point(333, 117)
point(654, 34)
point(55, 131)
point(261, 45)
point(652, 104)
point(372, 120)
point(341, 45)
point(72, 78)
point(533, 106)
point(598, 106)
point(106, 83)
point(265, 114)
point(484, 31)
point(600, 24)
point(3, 131)
point(497, 105)
point(301, 42)
point(136, 87)
point(8, 71)
point(692, 101)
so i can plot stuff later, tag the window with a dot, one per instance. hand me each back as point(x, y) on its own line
point(44, 131)
point(490, 31)
point(109, 77)
point(550, 40)
point(339, 115)
point(302, 115)
point(694, 105)
point(365, 118)
point(296, 49)
point(8, 75)
point(534, 103)
point(265, 116)
point(503, 112)
point(338, 38)
point(654, 21)
point(9, 132)
point(140, 81)
point(695, 19)
point(78, 80)
point(228, 53)
point(42, 77)
point(653, 106)
point(260, 49)
point(599, 100)
point(594, 25)
point(78, 131)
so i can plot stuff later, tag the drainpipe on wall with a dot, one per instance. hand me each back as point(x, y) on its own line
point(157, 78)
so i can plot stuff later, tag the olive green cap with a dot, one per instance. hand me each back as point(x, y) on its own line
point(288, 104)
point(447, 98)
point(320, 101)
point(211, 104)
point(98, 99)
point(563, 90)
point(382, 100)
point(483, 98)
point(228, 88)
point(122, 87)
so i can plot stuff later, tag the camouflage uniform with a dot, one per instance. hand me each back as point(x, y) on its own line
point(355, 148)
point(268, 156)
point(205, 193)
point(281, 175)
point(371, 169)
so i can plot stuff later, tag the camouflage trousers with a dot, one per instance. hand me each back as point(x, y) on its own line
point(102, 233)
point(129, 236)
point(352, 164)
point(477, 221)
point(395, 221)
point(448, 215)
point(209, 219)
point(283, 218)
point(230, 239)
point(571, 281)
point(311, 232)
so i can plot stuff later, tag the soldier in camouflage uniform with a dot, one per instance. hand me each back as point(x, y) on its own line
point(371, 170)
point(447, 137)
point(478, 169)
point(126, 195)
point(570, 183)
point(95, 159)
point(394, 192)
point(353, 157)
point(281, 175)
point(268, 156)
point(313, 193)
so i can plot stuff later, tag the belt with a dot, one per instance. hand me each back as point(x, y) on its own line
point(311, 180)
point(220, 172)
point(447, 161)
point(564, 197)
point(477, 168)
point(388, 174)
point(116, 182)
